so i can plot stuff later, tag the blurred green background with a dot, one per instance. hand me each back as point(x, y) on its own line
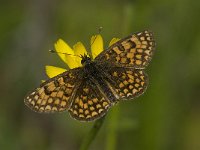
point(166, 117)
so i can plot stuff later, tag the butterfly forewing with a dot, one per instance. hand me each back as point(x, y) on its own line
point(133, 51)
point(56, 94)
point(89, 103)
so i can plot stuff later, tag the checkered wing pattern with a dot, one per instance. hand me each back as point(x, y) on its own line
point(133, 51)
point(89, 103)
point(54, 95)
point(128, 83)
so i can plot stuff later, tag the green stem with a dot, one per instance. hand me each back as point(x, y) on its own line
point(92, 134)
point(112, 129)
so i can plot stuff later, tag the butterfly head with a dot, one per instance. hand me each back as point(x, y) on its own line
point(85, 59)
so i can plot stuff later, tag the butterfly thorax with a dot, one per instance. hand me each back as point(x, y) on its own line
point(90, 69)
point(89, 66)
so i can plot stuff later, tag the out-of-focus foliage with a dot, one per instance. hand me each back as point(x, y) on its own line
point(166, 117)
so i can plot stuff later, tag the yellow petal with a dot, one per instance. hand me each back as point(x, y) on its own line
point(62, 47)
point(71, 61)
point(79, 49)
point(113, 41)
point(52, 71)
point(96, 43)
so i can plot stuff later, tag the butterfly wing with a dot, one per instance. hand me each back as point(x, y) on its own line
point(127, 83)
point(56, 94)
point(133, 51)
point(90, 102)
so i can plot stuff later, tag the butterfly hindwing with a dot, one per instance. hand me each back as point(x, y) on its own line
point(54, 95)
point(133, 51)
point(89, 103)
point(127, 83)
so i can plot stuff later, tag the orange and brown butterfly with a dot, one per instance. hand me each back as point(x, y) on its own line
point(95, 83)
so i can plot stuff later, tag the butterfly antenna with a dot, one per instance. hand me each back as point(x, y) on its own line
point(53, 51)
point(99, 31)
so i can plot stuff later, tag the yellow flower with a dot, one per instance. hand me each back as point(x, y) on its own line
point(72, 60)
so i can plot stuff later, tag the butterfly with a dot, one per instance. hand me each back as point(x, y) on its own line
point(87, 92)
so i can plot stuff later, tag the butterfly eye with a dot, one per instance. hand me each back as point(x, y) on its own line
point(85, 59)
point(82, 61)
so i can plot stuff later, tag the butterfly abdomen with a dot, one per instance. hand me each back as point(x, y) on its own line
point(96, 75)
